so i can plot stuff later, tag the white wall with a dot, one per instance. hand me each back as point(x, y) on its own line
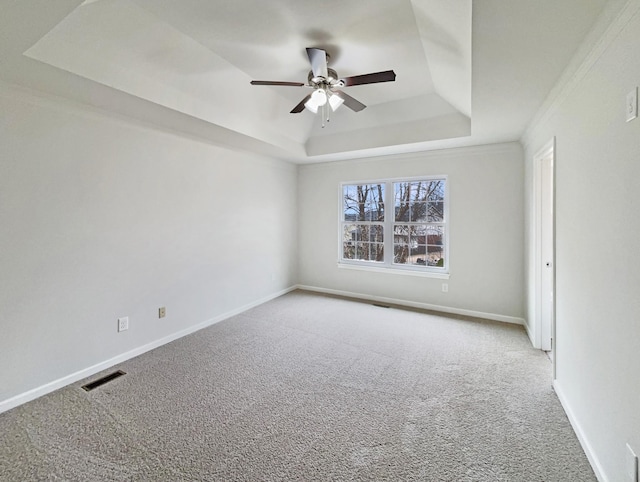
point(597, 244)
point(486, 238)
point(102, 218)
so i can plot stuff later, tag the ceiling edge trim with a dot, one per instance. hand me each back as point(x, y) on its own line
point(444, 153)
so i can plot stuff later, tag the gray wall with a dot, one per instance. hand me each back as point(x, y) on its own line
point(486, 237)
point(597, 244)
point(102, 218)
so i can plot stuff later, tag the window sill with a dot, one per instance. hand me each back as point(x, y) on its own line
point(389, 270)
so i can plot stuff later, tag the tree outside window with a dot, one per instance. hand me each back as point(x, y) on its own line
point(414, 232)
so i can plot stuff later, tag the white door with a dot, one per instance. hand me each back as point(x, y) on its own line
point(545, 259)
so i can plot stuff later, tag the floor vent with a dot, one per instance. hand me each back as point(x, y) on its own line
point(381, 306)
point(101, 381)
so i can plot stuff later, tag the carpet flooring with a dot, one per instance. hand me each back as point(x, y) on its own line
point(309, 387)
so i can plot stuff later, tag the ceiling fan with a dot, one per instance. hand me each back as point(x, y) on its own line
point(324, 82)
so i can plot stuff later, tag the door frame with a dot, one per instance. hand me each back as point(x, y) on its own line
point(548, 150)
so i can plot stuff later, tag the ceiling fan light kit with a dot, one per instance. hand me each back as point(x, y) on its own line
point(319, 98)
point(324, 82)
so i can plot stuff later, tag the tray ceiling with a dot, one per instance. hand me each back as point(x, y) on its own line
point(456, 63)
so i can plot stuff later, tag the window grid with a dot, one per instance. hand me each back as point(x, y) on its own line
point(419, 229)
point(410, 236)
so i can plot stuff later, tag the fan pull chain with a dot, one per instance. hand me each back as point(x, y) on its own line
point(326, 111)
point(323, 114)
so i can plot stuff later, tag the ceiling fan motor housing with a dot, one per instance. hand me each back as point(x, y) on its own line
point(317, 82)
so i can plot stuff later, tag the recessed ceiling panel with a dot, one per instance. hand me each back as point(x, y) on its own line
point(119, 44)
point(197, 57)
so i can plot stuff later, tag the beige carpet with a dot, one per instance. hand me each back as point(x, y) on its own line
point(308, 387)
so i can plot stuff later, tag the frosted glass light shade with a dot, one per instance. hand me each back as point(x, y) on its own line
point(311, 106)
point(317, 100)
point(335, 101)
point(319, 97)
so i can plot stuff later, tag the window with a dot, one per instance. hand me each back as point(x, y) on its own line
point(411, 236)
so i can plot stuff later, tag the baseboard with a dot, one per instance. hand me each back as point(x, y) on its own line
point(413, 304)
point(530, 334)
point(87, 372)
point(586, 446)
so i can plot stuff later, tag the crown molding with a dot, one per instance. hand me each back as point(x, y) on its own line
point(599, 39)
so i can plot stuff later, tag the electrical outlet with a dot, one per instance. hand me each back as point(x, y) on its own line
point(445, 287)
point(162, 312)
point(123, 323)
point(632, 105)
point(632, 465)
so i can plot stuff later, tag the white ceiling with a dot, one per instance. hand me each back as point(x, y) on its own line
point(467, 72)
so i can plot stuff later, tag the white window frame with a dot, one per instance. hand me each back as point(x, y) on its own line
point(387, 266)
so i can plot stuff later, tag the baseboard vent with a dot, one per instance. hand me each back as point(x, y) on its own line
point(101, 381)
point(381, 306)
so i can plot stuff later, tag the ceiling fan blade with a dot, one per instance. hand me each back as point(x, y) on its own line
point(386, 76)
point(318, 60)
point(300, 107)
point(269, 82)
point(350, 102)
